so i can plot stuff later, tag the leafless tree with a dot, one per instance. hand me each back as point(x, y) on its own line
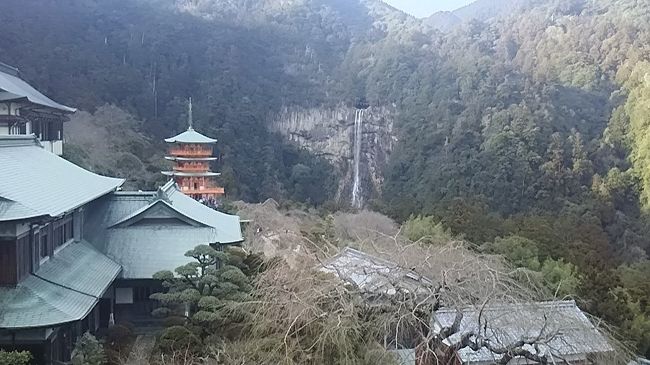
point(322, 312)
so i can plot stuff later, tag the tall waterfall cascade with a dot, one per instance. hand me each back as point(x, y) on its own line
point(358, 140)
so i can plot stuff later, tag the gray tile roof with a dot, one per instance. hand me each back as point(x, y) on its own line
point(190, 136)
point(228, 226)
point(81, 267)
point(372, 274)
point(143, 247)
point(65, 289)
point(144, 250)
point(405, 357)
point(507, 323)
point(16, 88)
point(11, 210)
point(35, 182)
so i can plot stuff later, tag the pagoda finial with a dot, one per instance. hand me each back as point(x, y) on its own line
point(189, 115)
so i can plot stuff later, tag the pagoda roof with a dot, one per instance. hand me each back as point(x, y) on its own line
point(12, 87)
point(191, 174)
point(174, 158)
point(35, 182)
point(191, 136)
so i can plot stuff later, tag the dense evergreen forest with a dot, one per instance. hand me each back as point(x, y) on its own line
point(526, 133)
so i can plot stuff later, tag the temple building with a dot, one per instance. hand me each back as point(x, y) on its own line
point(191, 153)
point(24, 110)
point(77, 253)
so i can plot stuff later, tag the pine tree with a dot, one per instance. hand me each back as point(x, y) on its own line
point(204, 291)
point(88, 351)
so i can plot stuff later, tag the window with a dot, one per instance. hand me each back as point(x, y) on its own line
point(123, 295)
point(44, 249)
point(69, 230)
point(63, 232)
point(57, 236)
point(24, 261)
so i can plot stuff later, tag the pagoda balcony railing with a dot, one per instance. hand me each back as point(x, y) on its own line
point(216, 191)
point(191, 153)
point(192, 168)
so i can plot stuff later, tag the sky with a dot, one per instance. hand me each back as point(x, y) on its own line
point(424, 8)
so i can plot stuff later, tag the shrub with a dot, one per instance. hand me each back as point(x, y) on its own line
point(119, 337)
point(172, 321)
point(88, 351)
point(179, 339)
point(15, 357)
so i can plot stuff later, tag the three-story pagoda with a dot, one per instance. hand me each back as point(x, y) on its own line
point(192, 154)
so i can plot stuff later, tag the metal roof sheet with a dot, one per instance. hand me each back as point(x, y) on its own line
point(11, 210)
point(146, 247)
point(81, 267)
point(37, 303)
point(144, 250)
point(507, 323)
point(159, 209)
point(228, 226)
point(65, 289)
point(190, 136)
point(13, 84)
point(40, 183)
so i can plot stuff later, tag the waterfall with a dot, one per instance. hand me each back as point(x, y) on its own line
point(358, 139)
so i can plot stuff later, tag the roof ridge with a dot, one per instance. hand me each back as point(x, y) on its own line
point(151, 205)
point(8, 69)
point(19, 140)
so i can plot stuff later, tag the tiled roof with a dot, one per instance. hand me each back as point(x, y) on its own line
point(124, 227)
point(65, 289)
point(372, 274)
point(190, 136)
point(144, 250)
point(38, 303)
point(228, 226)
point(405, 357)
point(16, 88)
point(11, 210)
point(507, 323)
point(35, 182)
point(81, 267)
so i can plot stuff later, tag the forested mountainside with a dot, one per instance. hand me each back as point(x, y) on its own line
point(524, 131)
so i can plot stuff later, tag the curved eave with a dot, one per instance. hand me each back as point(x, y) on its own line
point(173, 158)
point(189, 141)
point(191, 174)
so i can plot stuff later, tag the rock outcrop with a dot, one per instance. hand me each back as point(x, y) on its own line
point(330, 132)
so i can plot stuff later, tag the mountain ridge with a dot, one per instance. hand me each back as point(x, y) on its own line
point(481, 10)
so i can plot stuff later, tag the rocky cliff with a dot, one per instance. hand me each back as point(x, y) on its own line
point(331, 133)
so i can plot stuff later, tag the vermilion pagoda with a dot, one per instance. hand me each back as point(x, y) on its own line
point(192, 153)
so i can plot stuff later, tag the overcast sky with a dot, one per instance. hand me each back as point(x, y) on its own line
point(423, 8)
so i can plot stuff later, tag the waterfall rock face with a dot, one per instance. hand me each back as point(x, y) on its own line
point(331, 132)
point(357, 145)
